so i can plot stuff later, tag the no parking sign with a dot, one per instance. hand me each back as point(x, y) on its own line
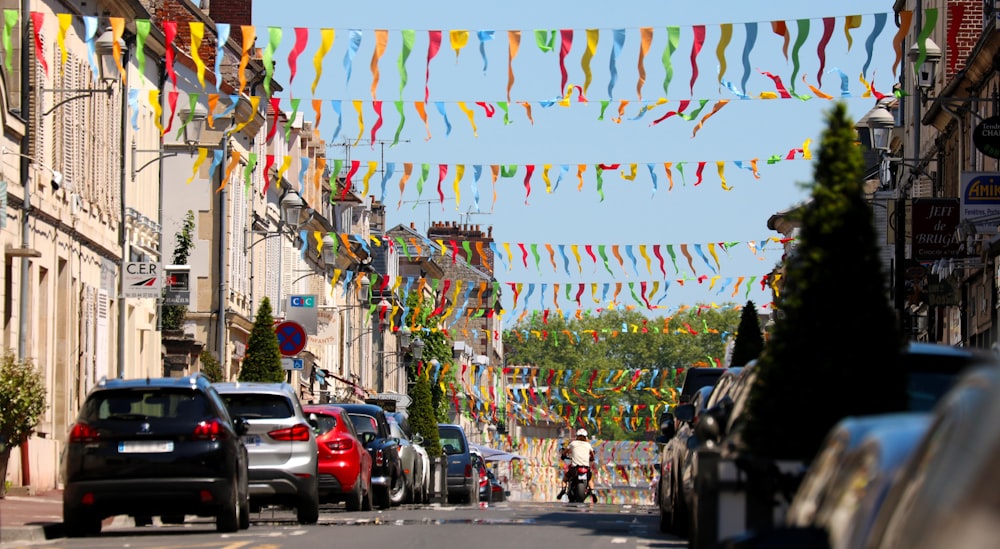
point(291, 338)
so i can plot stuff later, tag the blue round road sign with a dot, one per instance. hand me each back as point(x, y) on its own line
point(291, 338)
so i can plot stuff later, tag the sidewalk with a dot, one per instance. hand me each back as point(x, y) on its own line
point(30, 518)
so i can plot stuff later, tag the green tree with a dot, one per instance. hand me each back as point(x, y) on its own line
point(211, 367)
point(834, 348)
point(21, 406)
point(437, 346)
point(422, 419)
point(173, 315)
point(263, 357)
point(654, 352)
point(749, 341)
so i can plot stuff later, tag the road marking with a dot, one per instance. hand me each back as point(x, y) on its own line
point(619, 540)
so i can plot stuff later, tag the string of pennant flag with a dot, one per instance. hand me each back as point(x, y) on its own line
point(546, 40)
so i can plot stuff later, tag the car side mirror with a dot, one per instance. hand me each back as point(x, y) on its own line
point(313, 420)
point(685, 413)
point(367, 437)
point(417, 438)
point(241, 426)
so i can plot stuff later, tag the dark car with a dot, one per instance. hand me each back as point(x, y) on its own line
point(696, 378)
point(345, 466)
point(155, 446)
point(676, 484)
point(387, 468)
point(463, 482)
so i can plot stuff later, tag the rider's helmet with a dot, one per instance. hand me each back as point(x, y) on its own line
point(581, 432)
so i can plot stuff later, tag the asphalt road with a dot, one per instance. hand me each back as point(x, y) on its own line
point(521, 525)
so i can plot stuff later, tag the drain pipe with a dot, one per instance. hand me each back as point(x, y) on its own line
point(22, 332)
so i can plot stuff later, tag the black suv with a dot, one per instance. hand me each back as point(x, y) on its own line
point(388, 478)
point(161, 446)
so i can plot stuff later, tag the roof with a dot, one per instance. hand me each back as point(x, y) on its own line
point(253, 387)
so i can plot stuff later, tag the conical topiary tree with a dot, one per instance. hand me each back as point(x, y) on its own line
point(834, 348)
point(263, 358)
point(422, 419)
point(749, 341)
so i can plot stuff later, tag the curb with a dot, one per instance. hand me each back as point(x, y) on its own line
point(15, 536)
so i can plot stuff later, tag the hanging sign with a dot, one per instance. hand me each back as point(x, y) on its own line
point(986, 137)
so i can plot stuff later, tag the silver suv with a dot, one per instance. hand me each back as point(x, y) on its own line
point(283, 462)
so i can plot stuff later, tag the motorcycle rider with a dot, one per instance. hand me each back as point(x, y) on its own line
point(579, 452)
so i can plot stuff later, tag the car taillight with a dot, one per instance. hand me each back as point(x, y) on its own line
point(379, 458)
point(82, 432)
point(296, 432)
point(209, 430)
point(468, 471)
point(340, 445)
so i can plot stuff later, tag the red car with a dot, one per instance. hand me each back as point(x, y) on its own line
point(345, 466)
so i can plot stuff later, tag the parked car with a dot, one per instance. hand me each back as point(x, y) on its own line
point(695, 379)
point(498, 492)
point(154, 446)
point(932, 370)
point(479, 464)
point(945, 495)
point(848, 480)
point(388, 482)
point(675, 459)
point(463, 486)
point(284, 459)
point(416, 480)
point(345, 466)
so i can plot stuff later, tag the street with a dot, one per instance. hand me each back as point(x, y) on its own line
point(501, 525)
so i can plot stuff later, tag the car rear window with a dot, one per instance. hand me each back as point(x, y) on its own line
point(452, 441)
point(364, 423)
point(258, 406)
point(142, 404)
point(696, 379)
point(325, 423)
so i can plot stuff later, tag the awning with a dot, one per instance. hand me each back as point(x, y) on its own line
point(492, 454)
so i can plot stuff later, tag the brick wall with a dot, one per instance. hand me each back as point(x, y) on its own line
point(234, 12)
point(966, 18)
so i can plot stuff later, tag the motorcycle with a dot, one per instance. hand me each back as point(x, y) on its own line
point(578, 483)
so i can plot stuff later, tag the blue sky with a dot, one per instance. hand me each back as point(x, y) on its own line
point(627, 212)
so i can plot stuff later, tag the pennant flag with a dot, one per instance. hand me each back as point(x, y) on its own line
point(301, 39)
point(381, 40)
point(10, 18)
point(353, 43)
point(326, 37)
point(249, 33)
point(484, 37)
point(673, 40)
point(513, 44)
point(433, 46)
point(197, 29)
point(618, 38)
point(274, 40)
point(37, 21)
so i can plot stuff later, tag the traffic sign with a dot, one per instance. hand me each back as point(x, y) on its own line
point(292, 363)
point(291, 338)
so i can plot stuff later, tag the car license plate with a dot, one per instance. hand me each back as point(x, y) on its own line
point(145, 447)
point(252, 440)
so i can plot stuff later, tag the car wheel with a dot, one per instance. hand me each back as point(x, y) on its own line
point(354, 499)
point(228, 519)
point(366, 498)
point(666, 517)
point(307, 511)
point(77, 524)
point(245, 511)
point(399, 493)
point(679, 521)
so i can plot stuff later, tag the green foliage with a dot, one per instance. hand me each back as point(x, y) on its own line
point(211, 367)
point(422, 419)
point(21, 406)
point(437, 346)
point(749, 341)
point(263, 357)
point(627, 340)
point(173, 315)
point(833, 350)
